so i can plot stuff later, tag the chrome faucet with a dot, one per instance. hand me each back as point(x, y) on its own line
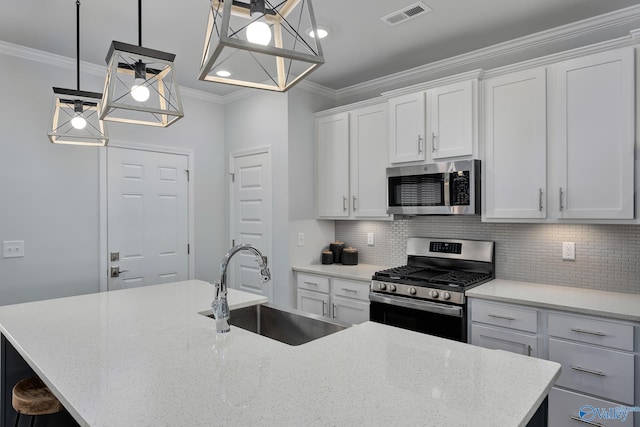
point(220, 305)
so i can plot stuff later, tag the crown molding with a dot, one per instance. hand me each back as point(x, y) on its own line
point(469, 75)
point(544, 38)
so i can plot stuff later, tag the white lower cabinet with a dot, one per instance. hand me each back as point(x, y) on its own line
point(598, 384)
point(332, 297)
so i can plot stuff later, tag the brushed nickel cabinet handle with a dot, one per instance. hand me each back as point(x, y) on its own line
point(433, 142)
point(344, 203)
point(354, 203)
point(310, 283)
point(574, 418)
point(324, 308)
point(334, 311)
point(349, 290)
point(540, 192)
point(584, 331)
point(561, 207)
point(500, 316)
point(528, 350)
point(588, 371)
point(419, 144)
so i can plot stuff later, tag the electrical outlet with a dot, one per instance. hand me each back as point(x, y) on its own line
point(300, 239)
point(370, 239)
point(13, 249)
point(569, 250)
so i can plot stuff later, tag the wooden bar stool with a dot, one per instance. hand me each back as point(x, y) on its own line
point(32, 397)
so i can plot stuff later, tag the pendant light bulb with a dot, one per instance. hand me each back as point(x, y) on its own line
point(78, 122)
point(139, 91)
point(258, 31)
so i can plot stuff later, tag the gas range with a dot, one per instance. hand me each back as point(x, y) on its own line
point(428, 293)
point(438, 269)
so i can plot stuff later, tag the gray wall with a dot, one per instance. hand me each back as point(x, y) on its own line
point(49, 193)
point(607, 256)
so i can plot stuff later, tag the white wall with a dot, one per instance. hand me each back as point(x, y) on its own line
point(49, 193)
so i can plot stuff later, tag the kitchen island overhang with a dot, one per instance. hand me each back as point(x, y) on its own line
point(145, 356)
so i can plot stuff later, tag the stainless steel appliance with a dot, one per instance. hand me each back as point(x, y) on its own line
point(445, 188)
point(428, 294)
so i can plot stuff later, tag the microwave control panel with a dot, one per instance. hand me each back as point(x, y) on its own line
point(460, 187)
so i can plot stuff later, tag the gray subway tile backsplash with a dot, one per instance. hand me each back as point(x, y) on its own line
point(607, 256)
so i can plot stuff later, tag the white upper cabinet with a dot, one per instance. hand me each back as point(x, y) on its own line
point(407, 128)
point(352, 157)
point(332, 175)
point(594, 97)
point(515, 111)
point(451, 111)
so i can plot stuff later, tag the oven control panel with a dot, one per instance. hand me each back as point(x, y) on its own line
point(445, 247)
point(417, 292)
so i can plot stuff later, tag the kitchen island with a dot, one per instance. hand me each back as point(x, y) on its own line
point(146, 356)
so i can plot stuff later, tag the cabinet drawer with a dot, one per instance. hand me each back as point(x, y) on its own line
point(592, 331)
point(509, 316)
point(351, 289)
point(500, 339)
point(568, 409)
point(313, 283)
point(598, 371)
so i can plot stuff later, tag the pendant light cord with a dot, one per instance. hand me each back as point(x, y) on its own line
point(139, 22)
point(78, 43)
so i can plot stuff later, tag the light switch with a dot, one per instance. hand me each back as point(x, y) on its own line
point(300, 239)
point(13, 249)
point(370, 239)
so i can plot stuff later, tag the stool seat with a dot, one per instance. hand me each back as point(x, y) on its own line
point(32, 397)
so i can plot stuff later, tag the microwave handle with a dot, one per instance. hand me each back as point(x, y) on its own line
point(447, 189)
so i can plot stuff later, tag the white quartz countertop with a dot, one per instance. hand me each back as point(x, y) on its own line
point(353, 272)
point(145, 356)
point(578, 300)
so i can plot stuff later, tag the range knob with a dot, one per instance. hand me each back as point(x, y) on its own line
point(382, 286)
point(433, 294)
point(412, 291)
point(392, 288)
point(446, 296)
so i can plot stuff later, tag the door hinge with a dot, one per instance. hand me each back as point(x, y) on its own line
point(233, 176)
point(187, 172)
point(188, 248)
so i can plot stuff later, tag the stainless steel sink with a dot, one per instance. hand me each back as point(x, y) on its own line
point(289, 326)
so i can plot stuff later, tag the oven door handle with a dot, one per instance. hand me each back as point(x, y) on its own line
point(431, 307)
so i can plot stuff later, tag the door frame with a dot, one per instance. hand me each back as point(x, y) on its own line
point(243, 153)
point(103, 272)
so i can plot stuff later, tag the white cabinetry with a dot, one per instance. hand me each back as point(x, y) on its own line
point(504, 326)
point(407, 128)
point(595, 129)
point(352, 157)
point(516, 145)
point(585, 169)
point(452, 113)
point(336, 298)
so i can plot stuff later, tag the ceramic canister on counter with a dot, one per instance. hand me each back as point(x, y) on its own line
point(350, 256)
point(327, 257)
point(336, 248)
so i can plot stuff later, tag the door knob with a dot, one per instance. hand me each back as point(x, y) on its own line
point(115, 271)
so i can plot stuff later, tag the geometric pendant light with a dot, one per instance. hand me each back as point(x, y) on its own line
point(75, 116)
point(260, 43)
point(140, 86)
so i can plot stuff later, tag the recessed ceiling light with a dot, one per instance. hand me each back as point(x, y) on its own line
point(322, 32)
point(223, 73)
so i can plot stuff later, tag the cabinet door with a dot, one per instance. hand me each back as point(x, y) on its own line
point(595, 136)
point(350, 311)
point(452, 126)
point(332, 175)
point(369, 160)
point(406, 128)
point(499, 339)
point(516, 141)
point(313, 302)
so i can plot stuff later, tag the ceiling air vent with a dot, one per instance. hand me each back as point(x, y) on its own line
point(406, 13)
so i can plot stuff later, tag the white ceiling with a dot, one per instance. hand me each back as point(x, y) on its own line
point(360, 48)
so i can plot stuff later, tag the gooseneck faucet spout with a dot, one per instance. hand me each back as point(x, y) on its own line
point(220, 305)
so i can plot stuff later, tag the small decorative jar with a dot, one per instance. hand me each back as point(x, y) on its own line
point(327, 257)
point(336, 248)
point(350, 256)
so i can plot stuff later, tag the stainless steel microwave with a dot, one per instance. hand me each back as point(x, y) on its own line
point(445, 188)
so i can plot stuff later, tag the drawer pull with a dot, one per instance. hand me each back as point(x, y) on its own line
point(500, 316)
point(589, 371)
point(574, 418)
point(350, 290)
point(529, 350)
point(582, 331)
point(310, 283)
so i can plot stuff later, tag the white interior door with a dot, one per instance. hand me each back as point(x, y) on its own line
point(147, 217)
point(251, 220)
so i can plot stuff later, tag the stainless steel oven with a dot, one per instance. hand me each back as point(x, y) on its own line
point(427, 294)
